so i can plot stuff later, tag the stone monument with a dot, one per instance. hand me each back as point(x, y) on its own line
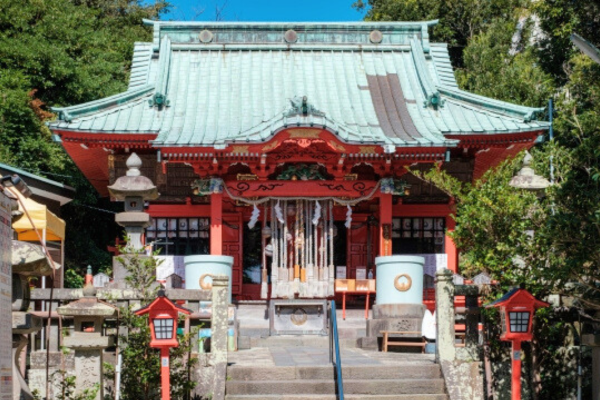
point(87, 340)
point(134, 189)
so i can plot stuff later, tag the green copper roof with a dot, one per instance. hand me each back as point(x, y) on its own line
point(212, 84)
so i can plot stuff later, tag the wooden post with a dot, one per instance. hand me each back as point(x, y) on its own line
point(385, 224)
point(216, 224)
point(450, 247)
point(165, 374)
point(516, 370)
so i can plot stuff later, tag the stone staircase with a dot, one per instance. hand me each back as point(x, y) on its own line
point(379, 376)
point(297, 367)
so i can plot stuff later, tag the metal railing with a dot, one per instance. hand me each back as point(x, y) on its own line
point(334, 345)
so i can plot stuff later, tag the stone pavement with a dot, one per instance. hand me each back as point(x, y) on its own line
point(318, 356)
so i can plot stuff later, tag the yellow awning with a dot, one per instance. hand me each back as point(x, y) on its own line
point(42, 219)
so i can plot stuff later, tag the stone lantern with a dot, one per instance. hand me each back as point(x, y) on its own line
point(527, 179)
point(134, 189)
point(87, 339)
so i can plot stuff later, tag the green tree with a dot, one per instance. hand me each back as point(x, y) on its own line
point(459, 20)
point(58, 53)
point(557, 20)
point(496, 67)
point(140, 376)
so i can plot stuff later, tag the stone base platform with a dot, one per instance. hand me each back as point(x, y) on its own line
point(396, 317)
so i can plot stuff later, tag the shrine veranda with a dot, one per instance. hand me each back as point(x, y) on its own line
point(286, 146)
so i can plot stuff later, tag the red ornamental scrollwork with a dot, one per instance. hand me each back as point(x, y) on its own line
point(301, 188)
point(335, 187)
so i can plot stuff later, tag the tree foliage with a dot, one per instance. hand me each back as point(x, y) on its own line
point(58, 53)
point(459, 20)
point(140, 373)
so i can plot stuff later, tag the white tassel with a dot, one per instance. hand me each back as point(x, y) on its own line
point(254, 217)
point(348, 217)
point(317, 216)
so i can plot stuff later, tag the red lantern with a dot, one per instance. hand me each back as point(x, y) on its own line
point(517, 308)
point(163, 329)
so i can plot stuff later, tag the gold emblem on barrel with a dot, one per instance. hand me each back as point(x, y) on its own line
point(404, 285)
point(203, 284)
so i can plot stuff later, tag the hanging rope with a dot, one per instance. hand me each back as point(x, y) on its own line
point(275, 243)
point(263, 284)
point(284, 268)
point(296, 244)
point(330, 291)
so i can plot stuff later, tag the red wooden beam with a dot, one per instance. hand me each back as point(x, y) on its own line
point(301, 188)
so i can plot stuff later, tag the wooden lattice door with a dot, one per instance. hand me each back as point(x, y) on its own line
point(232, 246)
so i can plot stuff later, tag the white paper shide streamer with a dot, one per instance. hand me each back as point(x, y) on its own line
point(254, 217)
point(348, 217)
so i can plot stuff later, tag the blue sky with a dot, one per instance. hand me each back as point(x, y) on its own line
point(264, 10)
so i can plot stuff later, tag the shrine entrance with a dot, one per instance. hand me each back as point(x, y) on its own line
point(295, 247)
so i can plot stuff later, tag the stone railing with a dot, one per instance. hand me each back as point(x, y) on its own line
point(210, 370)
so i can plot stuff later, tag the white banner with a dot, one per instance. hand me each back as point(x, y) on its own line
point(433, 262)
point(170, 265)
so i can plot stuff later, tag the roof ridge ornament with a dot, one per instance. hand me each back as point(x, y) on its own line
point(433, 98)
point(301, 106)
point(159, 101)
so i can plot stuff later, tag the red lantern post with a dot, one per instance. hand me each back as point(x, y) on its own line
point(517, 308)
point(163, 329)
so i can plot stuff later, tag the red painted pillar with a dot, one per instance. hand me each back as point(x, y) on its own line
point(450, 247)
point(216, 224)
point(516, 370)
point(164, 374)
point(385, 224)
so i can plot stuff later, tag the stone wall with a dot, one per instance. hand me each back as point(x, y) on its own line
point(210, 370)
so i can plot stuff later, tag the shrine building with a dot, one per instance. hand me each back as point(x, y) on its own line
point(286, 146)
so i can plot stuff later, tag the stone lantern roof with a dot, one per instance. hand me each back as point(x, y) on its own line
point(133, 184)
point(527, 179)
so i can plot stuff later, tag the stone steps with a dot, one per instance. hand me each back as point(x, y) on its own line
point(334, 397)
point(398, 371)
point(403, 381)
point(328, 386)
